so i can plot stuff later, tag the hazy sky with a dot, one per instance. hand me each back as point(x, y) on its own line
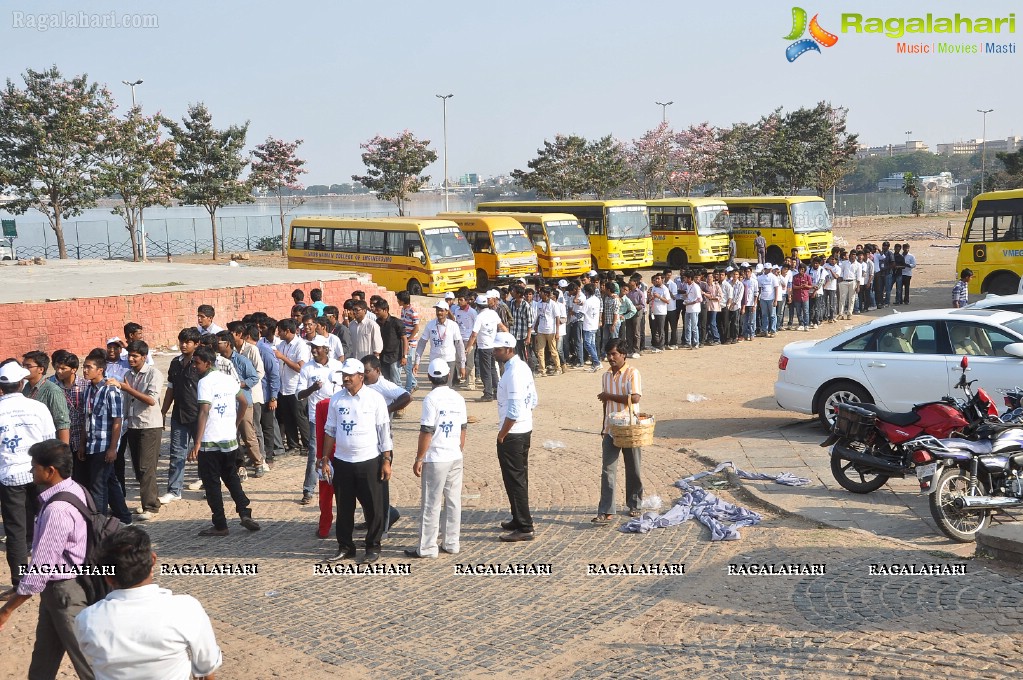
point(335, 74)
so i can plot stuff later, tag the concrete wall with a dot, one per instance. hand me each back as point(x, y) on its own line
point(82, 324)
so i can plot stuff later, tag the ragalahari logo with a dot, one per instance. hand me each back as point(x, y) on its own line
point(817, 35)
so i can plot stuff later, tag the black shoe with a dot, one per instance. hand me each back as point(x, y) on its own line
point(371, 556)
point(250, 524)
point(360, 526)
point(510, 525)
point(342, 554)
point(414, 552)
point(487, 398)
point(392, 516)
point(516, 536)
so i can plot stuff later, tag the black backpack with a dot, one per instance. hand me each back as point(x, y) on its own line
point(97, 526)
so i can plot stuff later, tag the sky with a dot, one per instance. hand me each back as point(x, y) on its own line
point(336, 74)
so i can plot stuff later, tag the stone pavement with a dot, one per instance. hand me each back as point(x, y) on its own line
point(896, 511)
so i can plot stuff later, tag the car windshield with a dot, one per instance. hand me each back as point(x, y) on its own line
point(628, 221)
point(711, 219)
point(1015, 325)
point(446, 244)
point(810, 216)
point(512, 241)
point(566, 235)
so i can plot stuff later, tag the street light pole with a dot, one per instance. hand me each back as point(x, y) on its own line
point(983, 147)
point(444, 98)
point(908, 133)
point(142, 224)
point(664, 110)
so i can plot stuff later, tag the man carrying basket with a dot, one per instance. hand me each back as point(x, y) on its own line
point(622, 389)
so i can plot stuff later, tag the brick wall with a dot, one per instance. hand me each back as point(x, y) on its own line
point(80, 325)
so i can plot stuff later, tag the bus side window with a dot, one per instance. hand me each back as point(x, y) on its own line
point(395, 243)
point(980, 230)
point(414, 245)
point(346, 240)
point(536, 235)
point(298, 237)
point(594, 225)
point(685, 220)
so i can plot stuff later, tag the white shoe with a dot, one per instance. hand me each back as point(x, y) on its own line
point(635, 355)
point(194, 486)
point(168, 498)
point(142, 516)
point(801, 328)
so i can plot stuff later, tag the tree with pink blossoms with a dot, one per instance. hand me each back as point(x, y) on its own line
point(649, 159)
point(694, 154)
point(393, 167)
point(276, 170)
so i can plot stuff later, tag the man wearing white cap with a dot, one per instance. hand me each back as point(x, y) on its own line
point(315, 382)
point(439, 463)
point(357, 455)
point(23, 422)
point(116, 367)
point(442, 338)
point(464, 315)
point(484, 329)
point(516, 399)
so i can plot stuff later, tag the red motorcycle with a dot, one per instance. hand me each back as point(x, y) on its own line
point(869, 445)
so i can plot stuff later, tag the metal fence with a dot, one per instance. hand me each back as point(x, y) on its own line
point(893, 203)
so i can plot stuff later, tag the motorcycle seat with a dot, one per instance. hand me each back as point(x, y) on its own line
point(892, 417)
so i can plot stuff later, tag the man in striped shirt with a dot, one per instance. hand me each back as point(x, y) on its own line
point(619, 384)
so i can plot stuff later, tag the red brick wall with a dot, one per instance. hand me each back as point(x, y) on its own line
point(80, 325)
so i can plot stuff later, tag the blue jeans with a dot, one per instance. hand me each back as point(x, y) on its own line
point(712, 326)
point(106, 489)
point(769, 316)
point(691, 329)
point(802, 308)
point(182, 439)
point(309, 485)
point(410, 373)
point(590, 342)
point(749, 319)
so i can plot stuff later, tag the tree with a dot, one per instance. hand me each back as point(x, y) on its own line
point(823, 148)
point(909, 187)
point(209, 163)
point(50, 134)
point(694, 153)
point(393, 165)
point(276, 169)
point(137, 164)
point(558, 171)
point(649, 160)
point(606, 169)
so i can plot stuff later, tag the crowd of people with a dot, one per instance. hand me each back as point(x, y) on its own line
point(325, 384)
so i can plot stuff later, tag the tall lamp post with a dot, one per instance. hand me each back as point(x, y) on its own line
point(142, 224)
point(664, 110)
point(983, 147)
point(444, 98)
point(908, 133)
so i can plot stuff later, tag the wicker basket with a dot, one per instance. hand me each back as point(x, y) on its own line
point(639, 432)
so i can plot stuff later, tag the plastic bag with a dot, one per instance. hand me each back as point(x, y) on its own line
point(696, 397)
point(553, 444)
point(650, 503)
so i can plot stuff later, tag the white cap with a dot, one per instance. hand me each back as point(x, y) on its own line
point(438, 368)
point(729, 269)
point(319, 341)
point(481, 299)
point(449, 295)
point(440, 304)
point(351, 367)
point(114, 341)
point(504, 339)
point(776, 266)
point(12, 373)
point(592, 273)
point(744, 265)
point(522, 281)
point(759, 268)
point(562, 283)
point(493, 294)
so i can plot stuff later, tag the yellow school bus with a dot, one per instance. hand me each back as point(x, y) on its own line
point(420, 255)
point(561, 246)
point(786, 222)
point(618, 231)
point(502, 248)
point(992, 243)
point(688, 230)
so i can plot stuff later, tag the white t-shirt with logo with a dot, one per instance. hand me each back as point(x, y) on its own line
point(485, 328)
point(591, 313)
point(516, 395)
point(330, 382)
point(220, 390)
point(444, 415)
point(658, 307)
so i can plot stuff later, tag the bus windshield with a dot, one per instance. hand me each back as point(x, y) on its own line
point(628, 221)
point(711, 219)
point(446, 244)
point(810, 216)
point(566, 235)
point(512, 241)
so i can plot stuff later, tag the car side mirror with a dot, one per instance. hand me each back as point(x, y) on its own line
point(1014, 349)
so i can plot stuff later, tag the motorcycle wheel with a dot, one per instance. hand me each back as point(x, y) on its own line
point(853, 478)
point(958, 524)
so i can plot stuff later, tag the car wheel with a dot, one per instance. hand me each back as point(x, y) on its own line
point(843, 391)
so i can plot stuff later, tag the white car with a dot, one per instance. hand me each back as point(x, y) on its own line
point(1010, 303)
point(901, 359)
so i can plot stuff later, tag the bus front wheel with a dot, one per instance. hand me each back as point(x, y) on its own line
point(482, 280)
point(414, 287)
point(677, 258)
point(593, 264)
point(774, 255)
point(1002, 283)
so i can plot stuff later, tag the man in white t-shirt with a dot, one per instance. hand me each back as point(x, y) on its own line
point(848, 271)
point(442, 338)
point(516, 399)
point(484, 329)
point(463, 314)
point(141, 630)
point(545, 332)
point(658, 297)
point(221, 406)
point(439, 464)
point(591, 324)
point(767, 284)
point(316, 381)
point(293, 353)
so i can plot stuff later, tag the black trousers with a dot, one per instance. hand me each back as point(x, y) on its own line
point(216, 467)
point(657, 332)
point(359, 481)
point(487, 372)
point(119, 464)
point(18, 505)
point(906, 280)
point(145, 454)
point(671, 327)
point(56, 634)
point(271, 431)
point(631, 335)
point(513, 456)
point(291, 418)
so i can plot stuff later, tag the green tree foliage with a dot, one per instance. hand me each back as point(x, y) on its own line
point(393, 167)
point(571, 166)
point(276, 170)
point(911, 189)
point(209, 163)
point(606, 169)
point(865, 173)
point(50, 136)
point(137, 164)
